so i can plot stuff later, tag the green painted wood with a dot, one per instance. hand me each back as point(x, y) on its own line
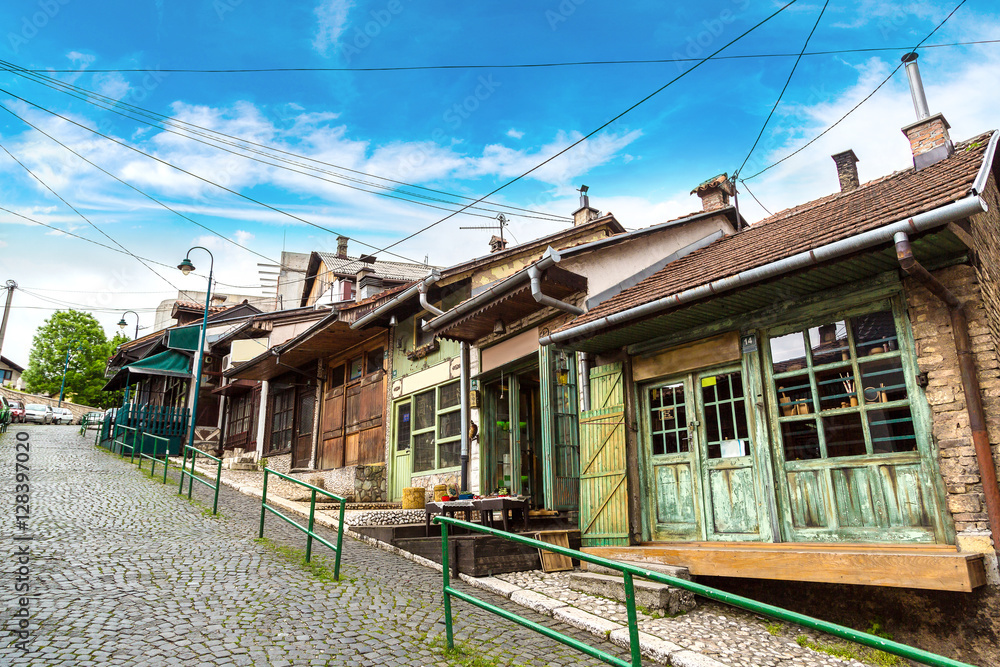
point(603, 485)
point(560, 428)
point(734, 500)
point(674, 497)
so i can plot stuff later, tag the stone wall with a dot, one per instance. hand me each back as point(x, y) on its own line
point(370, 483)
point(936, 356)
point(77, 409)
point(429, 481)
point(985, 233)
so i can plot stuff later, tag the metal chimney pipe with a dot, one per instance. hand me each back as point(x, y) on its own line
point(916, 86)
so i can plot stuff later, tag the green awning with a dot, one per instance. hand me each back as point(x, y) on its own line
point(170, 363)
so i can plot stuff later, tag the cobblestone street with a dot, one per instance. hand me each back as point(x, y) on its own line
point(126, 572)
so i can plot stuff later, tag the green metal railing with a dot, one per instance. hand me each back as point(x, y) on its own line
point(311, 535)
point(155, 457)
point(120, 445)
point(631, 571)
point(193, 477)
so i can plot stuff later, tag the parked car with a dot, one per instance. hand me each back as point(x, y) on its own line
point(62, 416)
point(93, 419)
point(5, 415)
point(37, 413)
point(17, 412)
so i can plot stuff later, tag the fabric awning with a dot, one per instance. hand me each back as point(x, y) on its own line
point(171, 363)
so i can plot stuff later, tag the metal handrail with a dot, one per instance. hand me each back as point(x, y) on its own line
point(122, 444)
point(311, 535)
point(192, 477)
point(630, 571)
point(154, 458)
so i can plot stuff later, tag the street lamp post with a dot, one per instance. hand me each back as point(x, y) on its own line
point(62, 390)
point(122, 323)
point(187, 267)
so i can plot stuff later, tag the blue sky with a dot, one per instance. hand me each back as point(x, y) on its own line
point(461, 131)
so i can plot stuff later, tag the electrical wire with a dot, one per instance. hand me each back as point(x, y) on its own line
point(601, 127)
point(855, 107)
point(196, 176)
point(85, 218)
point(750, 192)
point(409, 68)
point(109, 104)
point(783, 89)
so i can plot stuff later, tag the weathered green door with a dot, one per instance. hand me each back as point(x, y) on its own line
point(560, 429)
point(671, 467)
point(603, 485)
point(400, 460)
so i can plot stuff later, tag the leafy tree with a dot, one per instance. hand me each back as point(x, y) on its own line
point(89, 349)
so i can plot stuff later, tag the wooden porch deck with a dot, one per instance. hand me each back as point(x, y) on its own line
point(934, 567)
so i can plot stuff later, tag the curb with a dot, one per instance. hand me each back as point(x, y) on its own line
point(651, 646)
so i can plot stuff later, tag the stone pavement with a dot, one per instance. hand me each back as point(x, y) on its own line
point(128, 573)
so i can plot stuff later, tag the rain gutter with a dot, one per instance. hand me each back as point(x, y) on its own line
point(405, 295)
point(938, 217)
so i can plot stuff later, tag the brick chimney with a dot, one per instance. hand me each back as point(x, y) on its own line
point(929, 139)
point(585, 213)
point(368, 283)
point(497, 244)
point(847, 170)
point(342, 247)
point(715, 193)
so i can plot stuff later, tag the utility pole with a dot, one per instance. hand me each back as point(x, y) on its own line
point(10, 287)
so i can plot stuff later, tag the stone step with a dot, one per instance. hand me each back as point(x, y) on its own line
point(648, 594)
point(678, 571)
point(240, 466)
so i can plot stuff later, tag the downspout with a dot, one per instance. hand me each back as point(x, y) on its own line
point(535, 274)
point(970, 379)
point(466, 388)
point(584, 381)
point(422, 290)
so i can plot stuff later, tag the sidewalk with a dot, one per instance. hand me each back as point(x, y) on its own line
point(711, 635)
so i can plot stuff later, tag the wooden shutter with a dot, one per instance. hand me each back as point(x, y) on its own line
point(603, 485)
point(332, 451)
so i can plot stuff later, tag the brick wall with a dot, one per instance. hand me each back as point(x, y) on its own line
point(936, 356)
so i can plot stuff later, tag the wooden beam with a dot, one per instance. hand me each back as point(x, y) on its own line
point(932, 567)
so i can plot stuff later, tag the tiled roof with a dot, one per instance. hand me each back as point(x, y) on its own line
point(808, 226)
point(191, 305)
point(349, 266)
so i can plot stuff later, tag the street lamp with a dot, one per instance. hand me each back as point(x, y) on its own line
point(62, 390)
point(187, 267)
point(122, 323)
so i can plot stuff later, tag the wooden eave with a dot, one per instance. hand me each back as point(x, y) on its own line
point(513, 303)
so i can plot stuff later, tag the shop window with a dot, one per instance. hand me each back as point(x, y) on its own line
point(282, 420)
point(356, 368)
point(726, 432)
point(435, 434)
point(373, 361)
point(668, 419)
point(336, 376)
point(841, 390)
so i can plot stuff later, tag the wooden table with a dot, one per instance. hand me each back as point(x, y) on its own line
point(448, 508)
point(506, 505)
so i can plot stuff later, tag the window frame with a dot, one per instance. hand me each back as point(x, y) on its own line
point(905, 352)
point(289, 394)
point(434, 428)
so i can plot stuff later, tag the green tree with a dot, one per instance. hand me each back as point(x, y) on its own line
point(89, 349)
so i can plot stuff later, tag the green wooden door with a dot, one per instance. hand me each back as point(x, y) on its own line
point(603, 485)
point(400, 460)
point(560, 429)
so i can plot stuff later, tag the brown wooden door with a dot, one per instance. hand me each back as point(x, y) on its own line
point(331, 453)
point(305, 411)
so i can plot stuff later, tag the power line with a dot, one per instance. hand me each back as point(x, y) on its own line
point(193, 175)
point(855, 107)
point(580, 63)
point(783, 89)
point(85, 218)
point(601, 127)
point(750, 192)
point(108, 104)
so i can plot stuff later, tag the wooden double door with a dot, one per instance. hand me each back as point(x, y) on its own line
point(353, 417)
point(702, 469)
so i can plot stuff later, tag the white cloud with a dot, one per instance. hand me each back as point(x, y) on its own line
point(111, 84)
point(331, 18)
point(515, 134)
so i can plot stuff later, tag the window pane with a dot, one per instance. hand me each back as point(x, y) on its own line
point(451, 453)
point(844, 435)
point(336, 376)
point(450, 424)
point(423, 452)
point(423, 411)
point(403, 427)
point(882, 380)
point(357, 368)
point(794, 396)
point(836, 388)
point(829, 343)
point(788, 352)
point(874, 333)
point(450, 396)
point(800, 439)
point(892, 430)
point(726, 429)
point(374, 361)
point(669, 419)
